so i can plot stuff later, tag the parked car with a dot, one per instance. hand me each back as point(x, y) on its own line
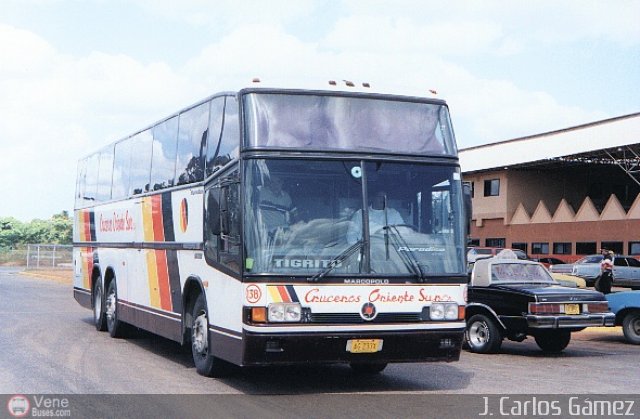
point(513, 299)
point(474, 253)
point(567, 280)
point(548, 262)
point(626, 306)
point(626, 270)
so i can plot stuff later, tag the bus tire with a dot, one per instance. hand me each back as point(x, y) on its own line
point(99, 316)
point(362, 368)
point(206, 364)
point(114, 325)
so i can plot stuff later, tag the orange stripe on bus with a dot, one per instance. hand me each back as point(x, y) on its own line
point(152, 276)
point(87, 256)
point(156, 216)
point(147, 220)
point(163, 280)
point(284, 294)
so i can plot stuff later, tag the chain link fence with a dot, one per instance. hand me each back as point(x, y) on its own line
point(49, 256)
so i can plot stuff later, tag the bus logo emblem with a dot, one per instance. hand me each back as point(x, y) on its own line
point(184, 215)
point(368, 311)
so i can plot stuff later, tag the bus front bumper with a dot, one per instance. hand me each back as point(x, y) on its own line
point(309, 348)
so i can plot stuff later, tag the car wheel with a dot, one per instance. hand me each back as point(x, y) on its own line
point(114, 325)
point(206, 364)
point(483, 335)
point(553, 341)
point(631, 327)
point(375, 368)
point(99, 317)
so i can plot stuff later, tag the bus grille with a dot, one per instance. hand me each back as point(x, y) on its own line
point(355, 318)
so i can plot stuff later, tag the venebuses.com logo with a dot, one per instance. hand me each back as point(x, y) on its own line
point(18, 406)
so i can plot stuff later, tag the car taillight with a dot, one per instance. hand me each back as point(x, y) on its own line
point(601, 307)
point(544, 308)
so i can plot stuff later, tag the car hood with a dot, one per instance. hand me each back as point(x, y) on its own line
point(552, 293)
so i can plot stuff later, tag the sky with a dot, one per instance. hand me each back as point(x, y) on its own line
point(76, 75)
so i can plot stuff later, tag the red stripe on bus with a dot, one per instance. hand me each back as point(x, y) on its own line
point(163, 280)
point(156, 215)
point(86, 227)
point(284, 294)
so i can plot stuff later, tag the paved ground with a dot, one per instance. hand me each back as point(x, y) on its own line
point(49, 345)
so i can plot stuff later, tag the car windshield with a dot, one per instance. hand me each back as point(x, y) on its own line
point(307, 218)
point(519, 272)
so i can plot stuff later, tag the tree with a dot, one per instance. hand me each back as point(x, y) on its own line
point(57, 230)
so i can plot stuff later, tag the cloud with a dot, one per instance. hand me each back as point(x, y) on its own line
point(57, 108)
point(402, 35)
point(229, 13)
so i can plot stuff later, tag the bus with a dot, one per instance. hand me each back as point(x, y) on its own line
point(272, 226)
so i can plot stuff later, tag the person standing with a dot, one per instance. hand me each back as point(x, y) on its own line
point(603, 284)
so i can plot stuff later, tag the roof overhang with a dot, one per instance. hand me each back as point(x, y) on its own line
point(613, 141)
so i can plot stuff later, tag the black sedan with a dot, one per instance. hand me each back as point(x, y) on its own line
point(513, 299)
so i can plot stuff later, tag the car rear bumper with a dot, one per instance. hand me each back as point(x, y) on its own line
point(562, 321)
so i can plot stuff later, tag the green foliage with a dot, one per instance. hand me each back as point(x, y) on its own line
point(57, 230)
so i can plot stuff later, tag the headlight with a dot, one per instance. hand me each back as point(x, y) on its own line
point(443, 311)
point(451, 311)
point(285, 312)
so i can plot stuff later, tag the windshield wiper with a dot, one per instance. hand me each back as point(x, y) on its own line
point(341, 257)
point(407, 258)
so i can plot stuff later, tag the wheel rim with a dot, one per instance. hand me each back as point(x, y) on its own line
point(635, 326)
point(110, 306)
point(199, 334)
point(97, 303)
point(478, 334)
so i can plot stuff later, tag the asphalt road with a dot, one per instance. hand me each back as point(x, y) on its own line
point(48, 344)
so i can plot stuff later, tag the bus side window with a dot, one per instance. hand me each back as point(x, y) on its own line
point(222, 231)
point(220, 153)
point(230, 223)
point(212, 224)
point(214, 133)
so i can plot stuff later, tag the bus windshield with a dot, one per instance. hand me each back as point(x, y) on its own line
point(322, 122)
point(306, 217)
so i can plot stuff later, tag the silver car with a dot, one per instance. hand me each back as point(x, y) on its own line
point(626, 270)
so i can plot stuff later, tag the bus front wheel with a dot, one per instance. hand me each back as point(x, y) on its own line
point(206, 364)
point(114, 325)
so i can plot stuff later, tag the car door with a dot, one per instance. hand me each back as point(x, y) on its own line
point(620, 270)
point(634, 270)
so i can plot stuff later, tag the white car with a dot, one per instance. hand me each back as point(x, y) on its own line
point(626, 270)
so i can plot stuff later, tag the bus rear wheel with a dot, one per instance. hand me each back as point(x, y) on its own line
point(99, 316)
point(206, 364)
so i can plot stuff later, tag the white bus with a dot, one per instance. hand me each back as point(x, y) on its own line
point(281, 226)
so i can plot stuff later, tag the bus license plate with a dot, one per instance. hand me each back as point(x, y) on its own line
point(572, 309)
point(364, 346)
